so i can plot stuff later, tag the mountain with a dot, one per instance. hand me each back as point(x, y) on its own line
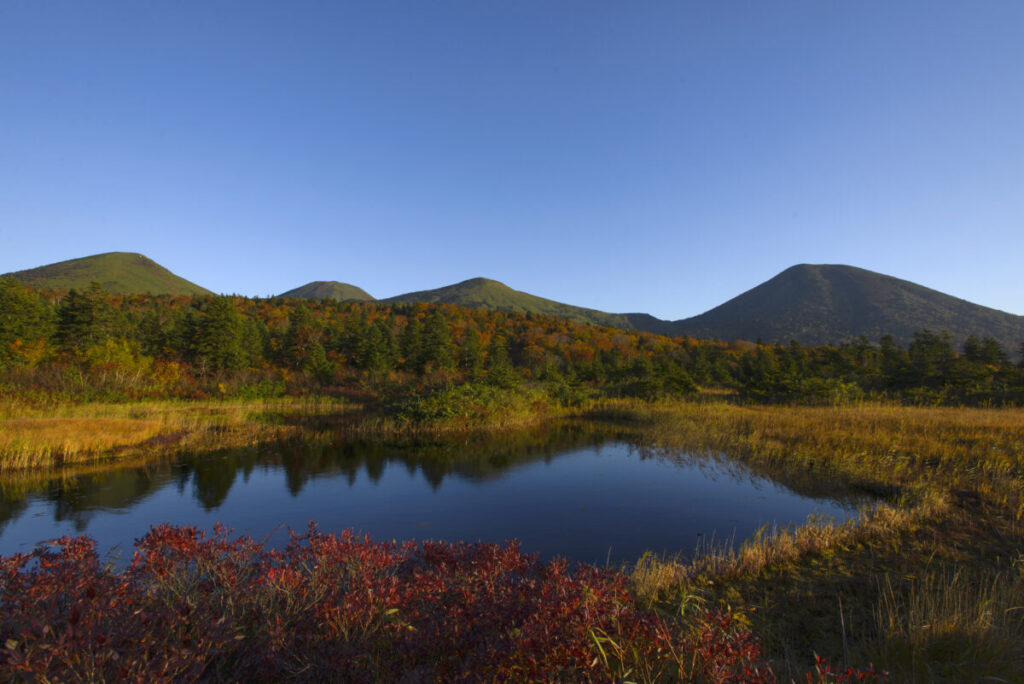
point(812, 304)
point(490, 294)
point(117, 272)
point(830, 304)
point(329, 289)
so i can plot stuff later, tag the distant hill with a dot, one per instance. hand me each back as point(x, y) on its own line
point(117, 272)
point(812, 304)
point(829, 304)
point(490, 294)
point(329, 289)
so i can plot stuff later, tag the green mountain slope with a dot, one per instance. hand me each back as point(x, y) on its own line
point(490, 294)
point(329, 289)
point(117, 272)
point(828, 304)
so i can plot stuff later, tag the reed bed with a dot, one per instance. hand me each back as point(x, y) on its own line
point(886, 445)
point(952, 624)
point(40, 437)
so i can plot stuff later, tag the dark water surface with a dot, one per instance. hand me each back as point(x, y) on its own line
point(576, 491)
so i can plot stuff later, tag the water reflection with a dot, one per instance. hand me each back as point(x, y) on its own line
point(571, 488)
point(210, 476)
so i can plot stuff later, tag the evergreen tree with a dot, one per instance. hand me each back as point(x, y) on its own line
point(499, 364)
point(302, 339)
point(374, 352)
point(86, 319)
point(931, 358)
point(471, 355)
point(219, 336)
point(255, 341)
point(24, 318)
point(154, 336)
point(895, 363)
point(438, 350)
point(411, 345)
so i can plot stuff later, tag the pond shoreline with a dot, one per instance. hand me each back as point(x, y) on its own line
point(950, 536)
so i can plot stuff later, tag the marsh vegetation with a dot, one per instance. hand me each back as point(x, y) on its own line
point(925, 584)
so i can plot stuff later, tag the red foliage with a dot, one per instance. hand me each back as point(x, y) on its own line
point(340, 607)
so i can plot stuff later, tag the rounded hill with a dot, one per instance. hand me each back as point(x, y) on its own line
point(116, 272)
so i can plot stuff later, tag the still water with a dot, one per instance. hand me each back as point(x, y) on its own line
point(574, 491)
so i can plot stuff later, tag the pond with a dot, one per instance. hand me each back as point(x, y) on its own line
point(582, 492)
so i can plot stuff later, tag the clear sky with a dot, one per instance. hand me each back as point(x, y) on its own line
point(627, 156)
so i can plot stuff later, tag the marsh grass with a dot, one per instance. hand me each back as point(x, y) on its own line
point(62, 435)
point(681, 579)
point(945, 537)
point(953, 625)
point(925, 583)
point(886, 448)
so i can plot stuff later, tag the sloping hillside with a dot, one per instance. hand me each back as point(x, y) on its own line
point(490, 294)
point(823, 304)
point(329, 289)
point(117, 272)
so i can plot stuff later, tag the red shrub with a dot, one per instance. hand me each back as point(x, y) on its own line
point(340, 607)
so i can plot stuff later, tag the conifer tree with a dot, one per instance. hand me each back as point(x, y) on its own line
point(471, 355)
point(86, 319)
point(24, 318)
point(437, 345)
point(499, 364)
point(411, 345)
point(302, 338)
point(219, 336)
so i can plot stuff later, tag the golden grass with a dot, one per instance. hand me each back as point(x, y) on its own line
point(64, 435)
point(27, 442)
point(881, 444)
point(654, 578)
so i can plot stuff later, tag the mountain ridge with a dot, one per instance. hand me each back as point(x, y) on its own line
point(810, 303)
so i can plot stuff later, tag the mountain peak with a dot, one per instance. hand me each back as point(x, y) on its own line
point(482, 282)
point(834, 303)
point(117, 272)
point(329, 289)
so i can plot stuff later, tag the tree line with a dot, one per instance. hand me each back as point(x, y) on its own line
point(89, 344)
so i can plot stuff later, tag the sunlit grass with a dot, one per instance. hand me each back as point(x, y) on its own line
point(27, 442)
point(74, 434)
point(883, 445)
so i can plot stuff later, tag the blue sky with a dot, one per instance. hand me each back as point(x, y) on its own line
point(642, 156)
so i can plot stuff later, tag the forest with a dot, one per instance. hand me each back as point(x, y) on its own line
point(90, 345)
